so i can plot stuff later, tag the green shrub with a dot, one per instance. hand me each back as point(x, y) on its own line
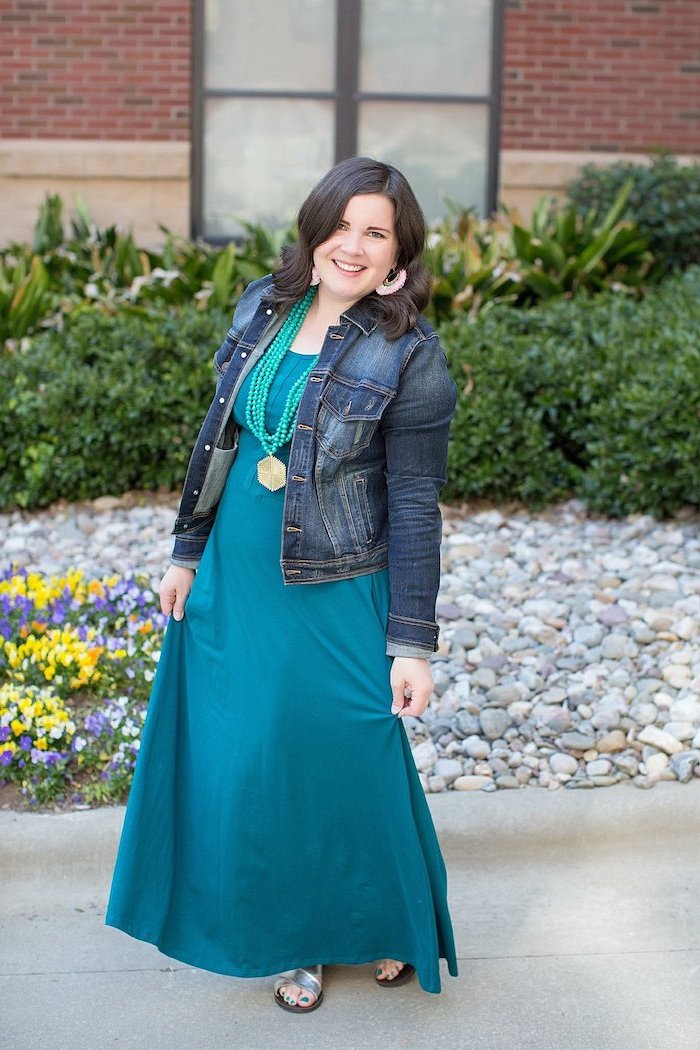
point(644, 447)
point(112, 403)
point(664, 202)
point(598, 397)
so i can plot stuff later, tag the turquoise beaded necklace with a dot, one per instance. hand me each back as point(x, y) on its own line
point(272, 472)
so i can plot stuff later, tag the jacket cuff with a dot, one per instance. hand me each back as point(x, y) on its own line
point(185, 563)
point(420, 636)
point(417, 652)
point(188, 547)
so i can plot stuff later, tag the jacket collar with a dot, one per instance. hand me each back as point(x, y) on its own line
point(361, 315)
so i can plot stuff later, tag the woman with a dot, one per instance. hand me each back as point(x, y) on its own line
point(276, 820)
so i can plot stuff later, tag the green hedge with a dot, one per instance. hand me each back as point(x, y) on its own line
point(597, 397)
point(111, 403)
point(664, 203)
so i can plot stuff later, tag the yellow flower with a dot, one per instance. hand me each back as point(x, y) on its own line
point(56, 649)
point(37, 719)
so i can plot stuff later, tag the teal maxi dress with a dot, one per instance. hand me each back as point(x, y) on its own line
point(276, 818)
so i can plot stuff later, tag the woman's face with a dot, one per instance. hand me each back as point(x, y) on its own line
point(357, 257)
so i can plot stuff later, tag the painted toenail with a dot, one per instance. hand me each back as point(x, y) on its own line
point(379, 973)
point(304, 999)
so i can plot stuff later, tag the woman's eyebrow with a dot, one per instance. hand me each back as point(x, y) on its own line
point(381, 229)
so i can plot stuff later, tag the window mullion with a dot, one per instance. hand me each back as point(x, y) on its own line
point(347, 55)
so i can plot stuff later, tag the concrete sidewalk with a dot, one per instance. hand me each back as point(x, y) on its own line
point(577, 917)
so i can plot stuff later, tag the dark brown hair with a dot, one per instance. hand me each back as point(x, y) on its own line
point(319, 216)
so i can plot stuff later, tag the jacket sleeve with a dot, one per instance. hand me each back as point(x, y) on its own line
point(188, 547)
point(415, 429)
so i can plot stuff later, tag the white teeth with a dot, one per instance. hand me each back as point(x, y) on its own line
point(348, 266)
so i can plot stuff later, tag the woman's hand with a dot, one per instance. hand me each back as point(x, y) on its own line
point(174, 588)
point(411, 686)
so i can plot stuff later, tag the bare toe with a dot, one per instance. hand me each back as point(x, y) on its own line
point(295, 995)
point(388, 969)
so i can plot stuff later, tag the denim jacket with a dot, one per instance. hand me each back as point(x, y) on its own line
point(366, 463)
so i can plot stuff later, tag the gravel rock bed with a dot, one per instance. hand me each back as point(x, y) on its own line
point(569, 652)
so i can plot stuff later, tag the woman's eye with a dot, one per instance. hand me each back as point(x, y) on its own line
point(377, 233)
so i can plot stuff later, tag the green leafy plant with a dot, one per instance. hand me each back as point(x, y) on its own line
point(42, 283)
point(472, 262)
point(25, 298)
point(563, 253)
point(48, 230)
point(664, 202)
point(478, 262)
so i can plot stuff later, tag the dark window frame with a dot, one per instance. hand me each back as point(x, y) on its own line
point(346, 96)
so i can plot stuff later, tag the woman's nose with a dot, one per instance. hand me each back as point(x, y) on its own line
point(352, 242)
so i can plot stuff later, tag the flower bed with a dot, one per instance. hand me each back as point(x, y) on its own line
point(77, 657)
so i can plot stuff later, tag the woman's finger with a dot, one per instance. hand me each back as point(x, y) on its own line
point(167, 600)
point(179, 605)
point(415, 706)
point(398, 696)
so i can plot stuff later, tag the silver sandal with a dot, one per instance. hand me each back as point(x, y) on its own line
point(309, 979)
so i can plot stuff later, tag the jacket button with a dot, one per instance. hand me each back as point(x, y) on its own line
point(221, 400)
point(268, 312)
point(207, 447)
point(195, 492)
point(243, 353)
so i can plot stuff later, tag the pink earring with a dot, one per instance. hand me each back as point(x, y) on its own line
point(394, 280)
point(315, 279)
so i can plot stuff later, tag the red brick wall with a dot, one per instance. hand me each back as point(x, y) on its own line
point(95, 69)
point(579, 74)
point(602, 75)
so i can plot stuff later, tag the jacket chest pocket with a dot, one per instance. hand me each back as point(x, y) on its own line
point(348, 416)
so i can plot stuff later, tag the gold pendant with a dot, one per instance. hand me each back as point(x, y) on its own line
point(272, 473)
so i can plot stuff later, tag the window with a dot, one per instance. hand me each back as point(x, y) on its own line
point(284, 88)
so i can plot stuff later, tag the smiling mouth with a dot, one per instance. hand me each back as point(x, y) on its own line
point(348, 267)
